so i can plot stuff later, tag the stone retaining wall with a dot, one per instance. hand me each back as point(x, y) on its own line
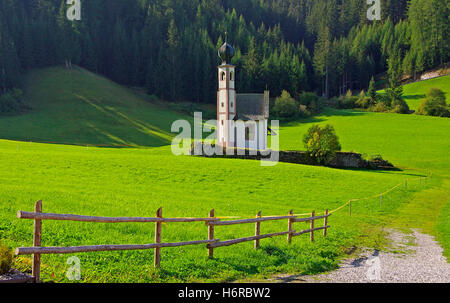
point(341, 159)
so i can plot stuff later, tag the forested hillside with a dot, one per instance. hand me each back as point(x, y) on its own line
point(170, 46)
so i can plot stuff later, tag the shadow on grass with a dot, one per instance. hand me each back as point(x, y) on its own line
point(282, 257)
point(386, 171)
point(323, 115)
point(342, 112)
point(414, 97)
point(418, 174)
point(393, 171)
point(150, 135)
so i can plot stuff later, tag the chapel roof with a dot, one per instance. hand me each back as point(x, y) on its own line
point(252, 106)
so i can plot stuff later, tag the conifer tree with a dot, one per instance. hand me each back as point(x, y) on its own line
point(321, 56)
point(371, 92)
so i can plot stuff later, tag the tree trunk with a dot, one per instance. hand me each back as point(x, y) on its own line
point(326, 81)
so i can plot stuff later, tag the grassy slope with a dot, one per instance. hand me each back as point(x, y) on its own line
point(414, 93)
point(79, 107)
point(122, 182)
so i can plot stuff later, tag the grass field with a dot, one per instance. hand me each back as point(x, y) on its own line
point(136, 181)
point(411, 142)
point(414, 93)
point(79, 107)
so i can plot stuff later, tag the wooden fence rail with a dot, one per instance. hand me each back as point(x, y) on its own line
point(92, 248)
point(211, 221)
point(48, 216)
point(247, 220)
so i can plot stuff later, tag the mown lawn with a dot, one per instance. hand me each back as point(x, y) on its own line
point(137, 181)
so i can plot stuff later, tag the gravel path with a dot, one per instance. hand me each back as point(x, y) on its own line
point(15, 276)
point(414, 258)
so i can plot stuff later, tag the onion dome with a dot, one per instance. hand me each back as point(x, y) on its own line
point(226, 53)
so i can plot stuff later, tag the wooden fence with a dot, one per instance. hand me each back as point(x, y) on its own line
point(211, 221)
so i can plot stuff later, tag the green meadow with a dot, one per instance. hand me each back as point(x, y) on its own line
point(79, 107)
point(413, 93)
point(100, 177)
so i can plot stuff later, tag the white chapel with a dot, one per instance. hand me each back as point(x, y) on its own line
point(241, 118)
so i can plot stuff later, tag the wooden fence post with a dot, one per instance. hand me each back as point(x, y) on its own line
point(257, 230)
point(290, 221)
point(325, 223)
point(157, 260)
point(36, 265)
point(311, 237)
point(211, 234)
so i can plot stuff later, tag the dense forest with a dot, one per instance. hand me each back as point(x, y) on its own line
point(170, 46)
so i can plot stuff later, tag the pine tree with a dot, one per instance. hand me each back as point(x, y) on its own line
point(371, 91)
point(252, 67)
point(321, 56)
point(9, 62)
point(172, 59)
point(303, 78)
point(295, 45)
point(395, 90)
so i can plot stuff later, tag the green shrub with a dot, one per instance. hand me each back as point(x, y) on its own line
point(380, 107)
point(375, 158)
point(399, 106)
point(153, 98)
point(385, 100)
point(285, 106)
point(6, 259)
point(333, 102)
point(310, 100)
point(8, 103)
point(434, 104)
point(12, 101)
point(393, 94)
point(363, 101)
point(321, 143)
point(348, 101)
point(303, 111)
point(345, 102)
point(386, 103)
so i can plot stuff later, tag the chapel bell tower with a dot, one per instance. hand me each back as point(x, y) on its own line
point(226, 97)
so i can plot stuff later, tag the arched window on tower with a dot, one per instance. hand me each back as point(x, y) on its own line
point(231, 76)
point(222, 76)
